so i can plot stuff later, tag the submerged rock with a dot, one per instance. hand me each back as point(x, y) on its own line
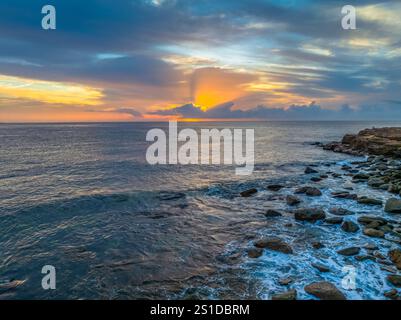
point(334, 220)
point(285, 281)
point(349, 226)
point(309, 214)
point(392, 294)
point(275, 187)
point(320, 267)
point(271, 213)
point(248, 193)
point(309, 170)
point(11, 285)
point(325, 291)
point(255, 253)
point(366, 220)
point(317, 245)
point(310, 191)
point(341, 211)
point(351, 251)
point(289, 295)
point(393, 205)
point(292, 200)
point(275, 244)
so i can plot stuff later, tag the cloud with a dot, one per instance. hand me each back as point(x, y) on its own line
point(293, 112)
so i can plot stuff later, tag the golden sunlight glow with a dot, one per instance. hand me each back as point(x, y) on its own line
point(49, 91)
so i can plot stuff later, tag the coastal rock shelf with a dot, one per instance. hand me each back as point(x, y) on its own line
point(375, 141)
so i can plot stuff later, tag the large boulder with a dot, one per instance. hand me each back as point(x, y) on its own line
point(393, 205)
point(309, 214)
point(325, 291)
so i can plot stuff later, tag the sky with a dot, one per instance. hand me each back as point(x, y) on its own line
point(151, 60)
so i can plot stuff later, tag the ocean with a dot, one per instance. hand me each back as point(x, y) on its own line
point(82, 198)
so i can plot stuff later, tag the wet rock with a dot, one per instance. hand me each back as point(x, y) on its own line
point(255, 253)
point(370, 246)
point(275, 244)
point(392, 294)
point(275, 187)
point(310, 191)
point(375, 141)
point(285, 281)
point(365, 257)
point(325, 291)
point(369, 201)
point(344, 195)
point(373, 233)
point(289, 295)
point(248, 193)
point(361, 176)
point(334, 220)
point(317, 245)
point(271, 213)
point(351, 251)
point(393, 205)
point(309, 214)
point(395, 257)
point(309, 170)
point(292, 200)
point(341, 211)
point(394, 279)
point(375, 182)
point(316, 179)
point(349, 226)
point(366, 220)
point(320, 267)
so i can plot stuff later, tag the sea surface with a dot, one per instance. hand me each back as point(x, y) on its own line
point(82, 198)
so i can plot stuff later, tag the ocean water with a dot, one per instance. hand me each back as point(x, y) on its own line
point(81, 197)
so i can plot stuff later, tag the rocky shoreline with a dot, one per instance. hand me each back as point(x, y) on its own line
point(382, 171)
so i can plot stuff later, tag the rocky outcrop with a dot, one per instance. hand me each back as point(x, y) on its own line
point(375, 141)
point(274, 244)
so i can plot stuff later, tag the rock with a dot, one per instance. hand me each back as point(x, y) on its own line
point(375, 182)
point(376, 141)
point(320, 267)
point(317, 245)
point(309, 214)
point(289, 295)
point(275, 187)
point(275, 244)
point(270, 213)
point(351, 251)
point(248, 193)
point(349, 226)
point(395, 257)
point(285, 281)
point(373, 233)
point(309, 170)
point(334, 220)
point(393, 205)
point(292, 200)
point(391, 294)
point(324, 290)
point(366, 220)
point(369, 201)
point(344, 195)
point(370, 246)
point(11, 285)
point(394, 279)
point(255, 253)
point(316, 179)
point(341, 211)
point(310, 191)
point(361, 176)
